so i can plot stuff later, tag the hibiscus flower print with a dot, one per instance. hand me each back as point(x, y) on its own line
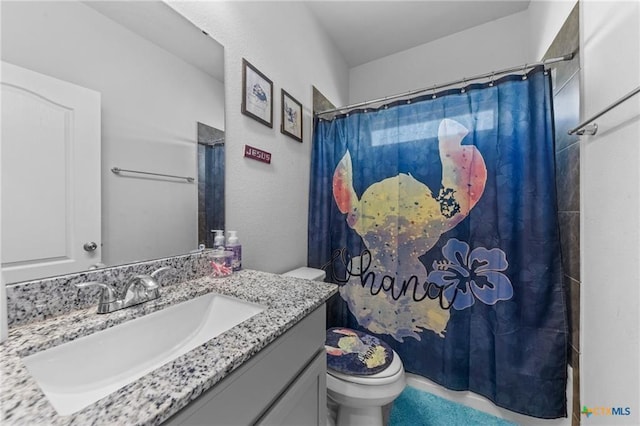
point(469, 275)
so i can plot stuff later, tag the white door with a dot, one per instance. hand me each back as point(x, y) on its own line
point(50, 175)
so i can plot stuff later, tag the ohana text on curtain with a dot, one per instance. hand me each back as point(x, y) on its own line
point(437, 217)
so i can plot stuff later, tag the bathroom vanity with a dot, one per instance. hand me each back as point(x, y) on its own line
point(268, 369)
point(285, 383)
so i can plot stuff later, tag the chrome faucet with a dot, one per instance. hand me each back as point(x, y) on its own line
point(139, 289)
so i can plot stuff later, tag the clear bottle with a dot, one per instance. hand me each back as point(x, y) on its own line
point(233, 244)
point(218, 239)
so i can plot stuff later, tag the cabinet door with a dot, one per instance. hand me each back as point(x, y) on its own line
point(305, 402)
point(245, 395)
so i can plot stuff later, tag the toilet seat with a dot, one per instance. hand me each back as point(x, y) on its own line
point(358, 400)
point(386, 376)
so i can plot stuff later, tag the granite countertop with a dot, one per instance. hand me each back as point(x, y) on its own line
point(155, 397)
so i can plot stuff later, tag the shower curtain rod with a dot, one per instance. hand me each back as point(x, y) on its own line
point(452, 83)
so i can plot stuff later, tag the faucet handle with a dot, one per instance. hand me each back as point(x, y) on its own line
point(147, 281)
point(141, 288)
point(108, 293)
point(160, 270)
point(108, 297)
point(150, 283)
point(151, 286)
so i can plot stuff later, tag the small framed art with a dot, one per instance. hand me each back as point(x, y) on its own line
point(257, 94)
point(291, 117)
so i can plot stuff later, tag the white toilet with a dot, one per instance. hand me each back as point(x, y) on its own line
point(358, 398)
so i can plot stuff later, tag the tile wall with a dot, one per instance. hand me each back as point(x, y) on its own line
point(211, 209)
point(566, 98)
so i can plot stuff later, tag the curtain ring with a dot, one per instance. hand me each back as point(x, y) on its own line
point(464, 83)
point(491, 81)
point(433, 96)
point(524, 74)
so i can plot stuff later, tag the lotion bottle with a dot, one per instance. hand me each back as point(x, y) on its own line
point(233, 244)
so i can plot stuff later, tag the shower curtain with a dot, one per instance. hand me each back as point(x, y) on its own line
point(437, 218)
point(211, 191)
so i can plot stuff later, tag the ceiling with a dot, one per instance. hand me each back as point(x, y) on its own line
point(361, 30)
point(367, 30)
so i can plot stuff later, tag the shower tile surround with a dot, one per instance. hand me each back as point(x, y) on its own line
point(566, 98)
point(207, 136)
point(155, 397)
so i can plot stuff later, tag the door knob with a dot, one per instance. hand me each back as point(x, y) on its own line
point(90, 246)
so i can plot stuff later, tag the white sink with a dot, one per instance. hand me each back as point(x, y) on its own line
point(78, 373)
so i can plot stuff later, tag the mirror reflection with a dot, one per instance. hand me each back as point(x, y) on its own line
point(210, 183)
point(92, 86)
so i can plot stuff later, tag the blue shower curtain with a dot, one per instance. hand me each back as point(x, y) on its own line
point(211, 188)
point(437, 218)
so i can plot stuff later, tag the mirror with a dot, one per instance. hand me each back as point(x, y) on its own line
point(210, 183)
point(157, 77)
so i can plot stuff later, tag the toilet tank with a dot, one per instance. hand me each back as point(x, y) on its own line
point(307, 273)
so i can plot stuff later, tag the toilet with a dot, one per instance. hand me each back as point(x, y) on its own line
point(356, 398)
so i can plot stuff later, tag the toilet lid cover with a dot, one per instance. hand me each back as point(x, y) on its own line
point(356, 353)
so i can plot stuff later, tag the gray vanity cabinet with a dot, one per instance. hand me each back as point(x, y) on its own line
point(283, 384)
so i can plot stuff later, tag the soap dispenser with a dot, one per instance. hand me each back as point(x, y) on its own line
point(218, 239)
point(233, 244)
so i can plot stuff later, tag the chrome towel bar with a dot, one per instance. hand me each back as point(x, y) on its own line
point(592, 129)
point(118, 170)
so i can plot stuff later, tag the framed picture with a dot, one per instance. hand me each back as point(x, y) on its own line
point(257, 94)
point(291, 117)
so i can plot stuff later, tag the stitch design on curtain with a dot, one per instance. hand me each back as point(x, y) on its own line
point(438, 220)
point(401, 218)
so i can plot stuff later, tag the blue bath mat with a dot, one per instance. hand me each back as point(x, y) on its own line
point(417, 408)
